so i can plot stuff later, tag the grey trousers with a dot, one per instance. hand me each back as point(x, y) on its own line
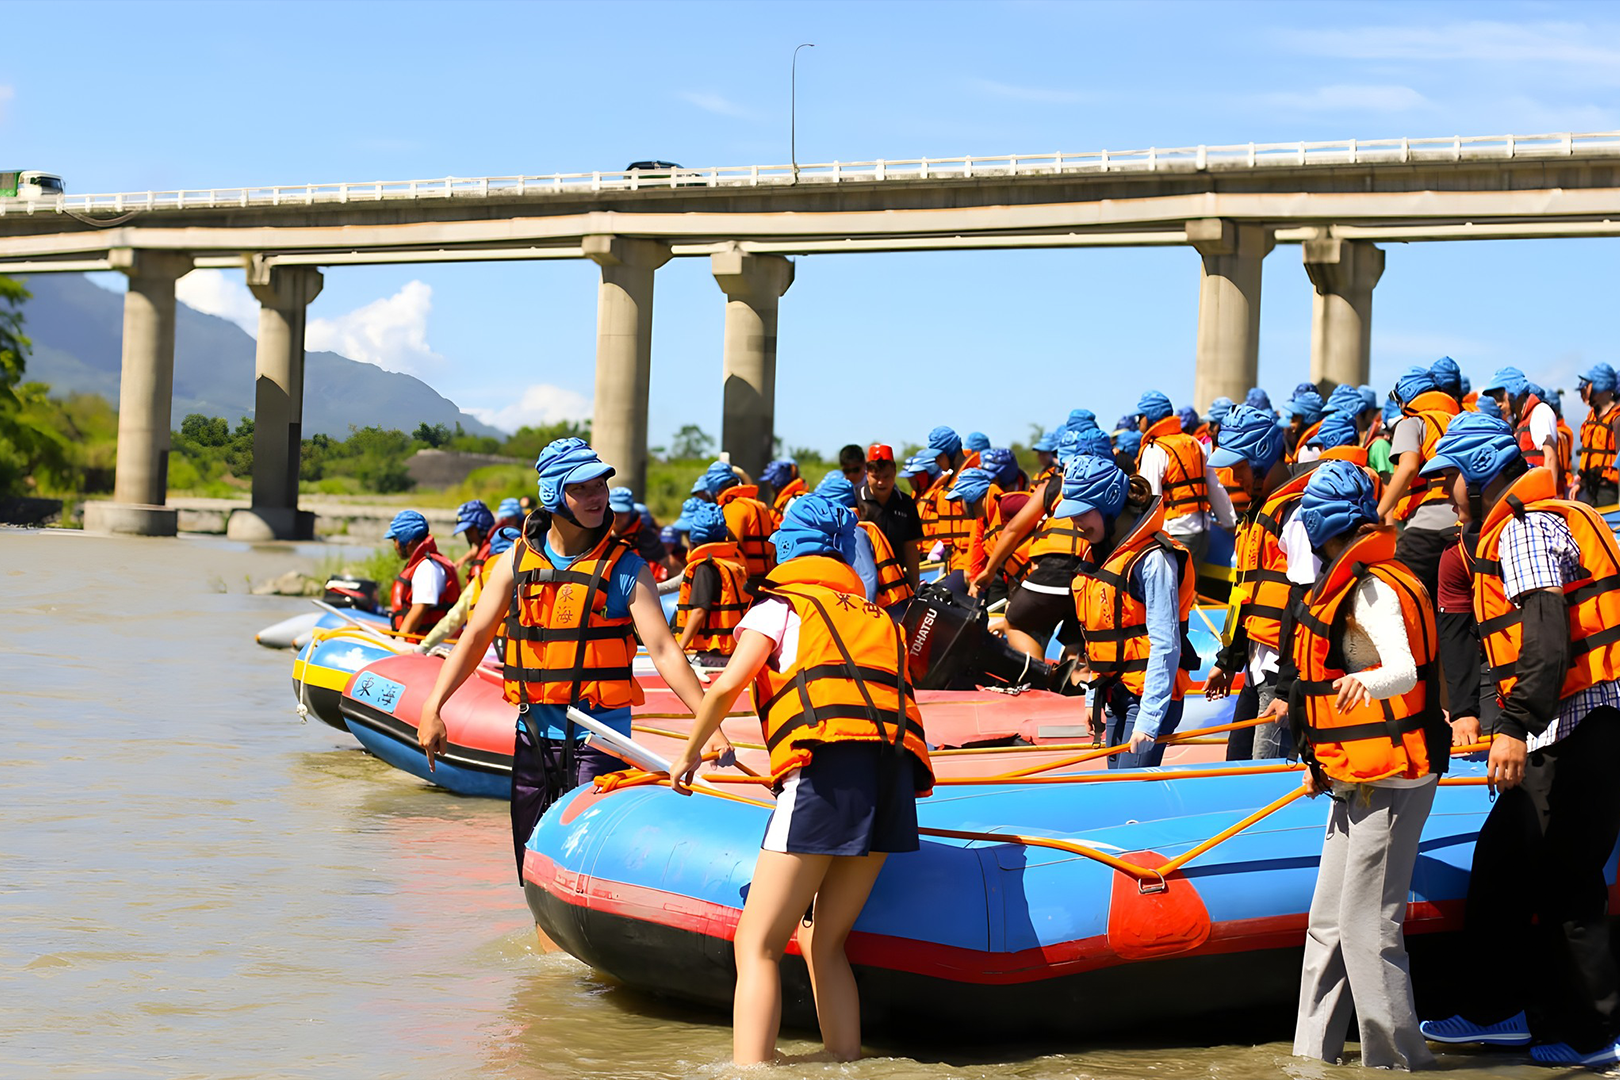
point(1355, 951)
point(1271, 739)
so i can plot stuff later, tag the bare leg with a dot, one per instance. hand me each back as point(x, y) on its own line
point(1025, 643)
point(838, 1006)
point(782, 888)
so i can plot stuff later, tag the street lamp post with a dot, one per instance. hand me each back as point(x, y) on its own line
point(793, 105)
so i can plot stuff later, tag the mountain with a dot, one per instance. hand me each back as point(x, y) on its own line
point(77, 329)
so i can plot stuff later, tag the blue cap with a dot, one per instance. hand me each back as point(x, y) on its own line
point(1307, 406)
point(1415, 381)
point(1346, 399)
point(564, 462)
point(407, 527)
point(1251, 435)
point(715, 479)
point(922, 462)
point(707, 524)
point(1600, 375)
point(1092, 483)
point(1369, 396)
point(1306, 388)
point(509, 508)
point(1218, 409)
point(1339, 497)
point(1510, 379)
point(1257, 398)
point(779, 473)
point(1153, 406)
point(621, 500)
point(1487, 405)
point(977, 440)
point(970, 485)
point(835, 486)
point(1091, 441)
point(943, 440)
point(670, 537)
point(1129, 442)
point(473, 514)
point(1447, 376)
point(503, 540)
point(1127, 423)
point(1189, 419)
point(1476, 445)
point(999, 462)
point(1391, 411)
point(683, 522)
point(1555, 398)
point(815, 525)
point(1338, 429)
point(1046, 444)
point(1080, 418)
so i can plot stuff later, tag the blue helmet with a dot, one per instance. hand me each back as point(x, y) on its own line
point(1307, 406)
point(1154, 406)
point(1600, 375)
point(1369, 396)
point(835, 487)
point(1092, 483)
point(408, 527)
point(1091, 441)
point(1555, 398)
point(509, 508)
point(1447, 376)
point(1391, 412)
point(944, 440)
point(977, 441)
point(1257, 398)
point(1218, 410)
point(670, 537)
point(999, 462)
point(1189, 419)
point(779, 473)
point(1080, 418)
point(1301, 389)
point(1476, 445)
point(621, 500)
point(683, 521)
point(1339, 497)
point(1338, 429)
point(715, 479)
point(1510, 379)
point(564, 462)
point(922, 462)
point(1345, 399)
point(473, 514)
point(1416, 381)
point(814, 525)
point(1489, 407)
point(970, 485)
point(707, 524)
point(503, 540)
point(1251, 435)
point(1129, 442)
point(1046, 444)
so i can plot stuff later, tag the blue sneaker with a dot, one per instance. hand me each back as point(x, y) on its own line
point(1565, 1054)
point(1514, 1031)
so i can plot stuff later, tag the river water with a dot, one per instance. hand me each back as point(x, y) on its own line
point(195, 884)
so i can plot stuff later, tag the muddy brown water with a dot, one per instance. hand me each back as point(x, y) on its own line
point(195, 884)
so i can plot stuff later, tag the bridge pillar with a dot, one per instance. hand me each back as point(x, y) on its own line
point(284, 293)
point(145, 397)
point(624, 308)
point(1228, 353)
point(753, 284)
point(1344, 273)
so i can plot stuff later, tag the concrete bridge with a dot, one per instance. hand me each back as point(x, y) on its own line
point(1232, 204)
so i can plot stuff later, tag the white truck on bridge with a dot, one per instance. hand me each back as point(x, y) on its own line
point(30, 184)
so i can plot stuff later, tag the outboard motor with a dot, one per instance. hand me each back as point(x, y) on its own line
point(347, 592)
point(951, 648)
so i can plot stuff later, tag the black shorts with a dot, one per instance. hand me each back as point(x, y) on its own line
point(1038, 614)
point(854, 798)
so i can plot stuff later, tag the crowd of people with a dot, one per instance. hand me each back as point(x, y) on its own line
point(1409, 575)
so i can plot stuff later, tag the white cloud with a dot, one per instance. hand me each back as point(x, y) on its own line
point(1345, 98)
point(391, 332)
point(1565, 43)
point(213, 293)
point(1038, 94)
point(540, 404)
point(715, 103)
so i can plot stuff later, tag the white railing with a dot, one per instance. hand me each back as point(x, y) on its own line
point(1248, 156)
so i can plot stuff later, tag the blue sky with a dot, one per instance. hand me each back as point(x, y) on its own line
point(226, 94)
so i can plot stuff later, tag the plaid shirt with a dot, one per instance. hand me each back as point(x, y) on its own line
point(1539, 552)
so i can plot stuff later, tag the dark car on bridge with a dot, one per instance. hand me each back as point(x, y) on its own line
point(662, 170)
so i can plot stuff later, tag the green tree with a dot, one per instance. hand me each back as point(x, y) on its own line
point(434, 435)
point(691, 441)
point(30, 441)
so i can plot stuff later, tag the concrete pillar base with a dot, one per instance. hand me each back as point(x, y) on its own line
point(264, 523)
point(131, 519)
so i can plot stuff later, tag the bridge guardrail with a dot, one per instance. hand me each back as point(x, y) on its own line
point(1153, 159)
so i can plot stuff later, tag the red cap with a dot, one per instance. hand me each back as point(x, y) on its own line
point(880, 452)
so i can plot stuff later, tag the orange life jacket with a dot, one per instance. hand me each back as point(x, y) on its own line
point(953, 524)
point(1183, 490)
point(927, 501)
point(751, 523)
point(893, 587)
point(1566, 449)
point(1046, 474)
point(1262, 568)
point(1115, 621)
point(1598, 447)
point(1383, 737)
point(401, 600)
point(1057, 536)
point(480, 556)
point(1470, 401)
point(992, 523)
point(1239, 494)
point(792, 490)
point(1436, 410)
point(1291, 451)
point(561, 647)
point(1534, 456)
point(721, 618)
point(1593, 601)
point(848, 680)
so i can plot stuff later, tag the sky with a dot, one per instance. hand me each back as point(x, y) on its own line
point(870, 347)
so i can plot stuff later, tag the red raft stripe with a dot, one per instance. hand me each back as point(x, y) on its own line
point(932, 959)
